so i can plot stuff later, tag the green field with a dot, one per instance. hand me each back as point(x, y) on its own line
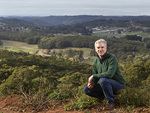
point(18, 46)
point(90, 60)
point(107, 33)
point(86, 51)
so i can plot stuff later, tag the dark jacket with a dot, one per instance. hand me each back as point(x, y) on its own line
point(107, 68)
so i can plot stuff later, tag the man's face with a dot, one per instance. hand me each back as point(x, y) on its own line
point(100, 49)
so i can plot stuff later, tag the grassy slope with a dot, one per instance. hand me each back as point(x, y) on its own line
point(19, 46)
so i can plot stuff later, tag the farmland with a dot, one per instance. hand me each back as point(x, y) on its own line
point(18, 46)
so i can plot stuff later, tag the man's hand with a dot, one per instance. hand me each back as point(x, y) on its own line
point(90, 84)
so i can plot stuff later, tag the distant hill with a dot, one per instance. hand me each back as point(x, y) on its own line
point(63, 20)
point(68, 20)
point(14, 22)
point(59, 20)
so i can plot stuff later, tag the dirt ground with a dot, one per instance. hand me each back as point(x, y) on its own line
point(13, 104)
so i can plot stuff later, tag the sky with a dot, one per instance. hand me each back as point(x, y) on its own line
point(74, 7)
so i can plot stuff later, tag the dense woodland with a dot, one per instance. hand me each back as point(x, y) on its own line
point(44, 80)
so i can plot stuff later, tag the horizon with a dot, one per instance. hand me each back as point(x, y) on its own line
point(9, 16)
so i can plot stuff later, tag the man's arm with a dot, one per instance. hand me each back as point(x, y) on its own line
point(90, 80)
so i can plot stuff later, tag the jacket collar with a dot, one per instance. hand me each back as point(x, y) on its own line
point(104, 56)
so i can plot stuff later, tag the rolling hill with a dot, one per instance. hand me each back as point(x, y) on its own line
point(63, 20)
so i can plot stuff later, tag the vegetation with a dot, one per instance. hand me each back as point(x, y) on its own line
point(43, 79)
point(30, 38)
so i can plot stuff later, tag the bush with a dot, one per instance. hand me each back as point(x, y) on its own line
point(84, 102)
point(133, 96)
point(58, 96)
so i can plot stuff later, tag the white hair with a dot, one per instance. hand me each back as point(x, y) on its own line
point(101, 41)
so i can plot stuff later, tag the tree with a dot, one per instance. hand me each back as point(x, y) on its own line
point(134, 37)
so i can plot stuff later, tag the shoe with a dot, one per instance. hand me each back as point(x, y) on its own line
point(110, 106)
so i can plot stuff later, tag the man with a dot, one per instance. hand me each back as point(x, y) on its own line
point(107, 72)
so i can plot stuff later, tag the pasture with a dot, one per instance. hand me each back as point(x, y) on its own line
point(19, 46)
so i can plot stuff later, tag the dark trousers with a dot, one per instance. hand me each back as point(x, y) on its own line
point(106, 88)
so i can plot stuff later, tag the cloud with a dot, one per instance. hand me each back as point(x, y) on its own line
point(77, 7)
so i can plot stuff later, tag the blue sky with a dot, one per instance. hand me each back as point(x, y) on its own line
point(74, 7)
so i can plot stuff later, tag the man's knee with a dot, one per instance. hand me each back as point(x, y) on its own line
point(103, 81)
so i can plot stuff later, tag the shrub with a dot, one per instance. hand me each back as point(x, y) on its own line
point(59, 96)
point(85, 102)
point(133, 96)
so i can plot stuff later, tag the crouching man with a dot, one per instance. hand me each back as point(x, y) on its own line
point(107, 72)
